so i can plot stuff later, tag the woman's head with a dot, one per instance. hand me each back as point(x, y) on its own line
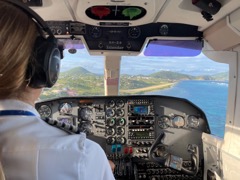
point(18, 33)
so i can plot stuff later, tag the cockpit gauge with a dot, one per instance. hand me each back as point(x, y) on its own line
point(111, 103)
point(110, 112)
point(120, 131)
point(86, 128)
point(120, 112)
point(65, 108)
point(178, 121)
point(86, 114)
point(110, 131)
point(121, 122)
point(120, 140)
point(111, 122)
point(120, 103)
point(110, 140)
point(44, 111)
point(164, 122)
point(193, 121)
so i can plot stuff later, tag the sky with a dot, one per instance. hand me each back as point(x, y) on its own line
point(145, 65)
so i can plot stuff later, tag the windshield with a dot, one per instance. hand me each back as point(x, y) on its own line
point(198, 79)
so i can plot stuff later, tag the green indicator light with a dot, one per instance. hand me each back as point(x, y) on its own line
point(131, 12)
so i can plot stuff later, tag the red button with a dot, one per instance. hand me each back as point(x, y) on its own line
point(130, 150)
point(126, 150)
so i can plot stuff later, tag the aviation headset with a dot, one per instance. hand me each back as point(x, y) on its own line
point(44, 65)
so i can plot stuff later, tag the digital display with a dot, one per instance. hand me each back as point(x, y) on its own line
point(141, 134)
point(140, 109)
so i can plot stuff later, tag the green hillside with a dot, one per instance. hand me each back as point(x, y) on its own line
point(221, 76)
point(77, 81)
point(139, 81)
point(77, 71)
point(169, 75)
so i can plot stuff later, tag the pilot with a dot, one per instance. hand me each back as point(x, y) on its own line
point(30, 148)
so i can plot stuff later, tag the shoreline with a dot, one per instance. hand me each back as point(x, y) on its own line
point(148, 89)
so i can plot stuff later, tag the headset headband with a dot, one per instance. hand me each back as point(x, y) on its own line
point(40, 22)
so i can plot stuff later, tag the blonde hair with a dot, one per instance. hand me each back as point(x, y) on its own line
point(2, 176)
point(18, 33)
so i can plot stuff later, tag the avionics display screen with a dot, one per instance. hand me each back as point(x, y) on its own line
point(140, 110)
point(141, 134)
point(67, 120)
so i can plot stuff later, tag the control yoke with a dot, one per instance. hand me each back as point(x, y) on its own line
point(158, 153)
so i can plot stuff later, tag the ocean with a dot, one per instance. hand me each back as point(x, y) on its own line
point(210, 96)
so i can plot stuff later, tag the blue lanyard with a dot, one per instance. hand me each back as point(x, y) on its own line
point(16, 113)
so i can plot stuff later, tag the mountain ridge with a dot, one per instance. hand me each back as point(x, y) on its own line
point(78, 71)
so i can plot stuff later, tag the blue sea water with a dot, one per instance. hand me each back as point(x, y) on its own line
point(210, 96)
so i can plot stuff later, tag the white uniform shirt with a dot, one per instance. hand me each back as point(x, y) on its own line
point(30, 149)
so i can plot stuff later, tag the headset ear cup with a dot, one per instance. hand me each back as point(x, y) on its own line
point(54, 64)
point(45, 63)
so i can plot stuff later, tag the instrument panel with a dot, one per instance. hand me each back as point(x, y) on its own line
point(147, 137)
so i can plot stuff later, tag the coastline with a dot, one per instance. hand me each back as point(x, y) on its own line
point(147, 89)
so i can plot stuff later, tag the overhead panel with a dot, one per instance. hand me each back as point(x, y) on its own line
point(118, 13)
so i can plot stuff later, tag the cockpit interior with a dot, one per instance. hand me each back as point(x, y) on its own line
point(154, 137)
